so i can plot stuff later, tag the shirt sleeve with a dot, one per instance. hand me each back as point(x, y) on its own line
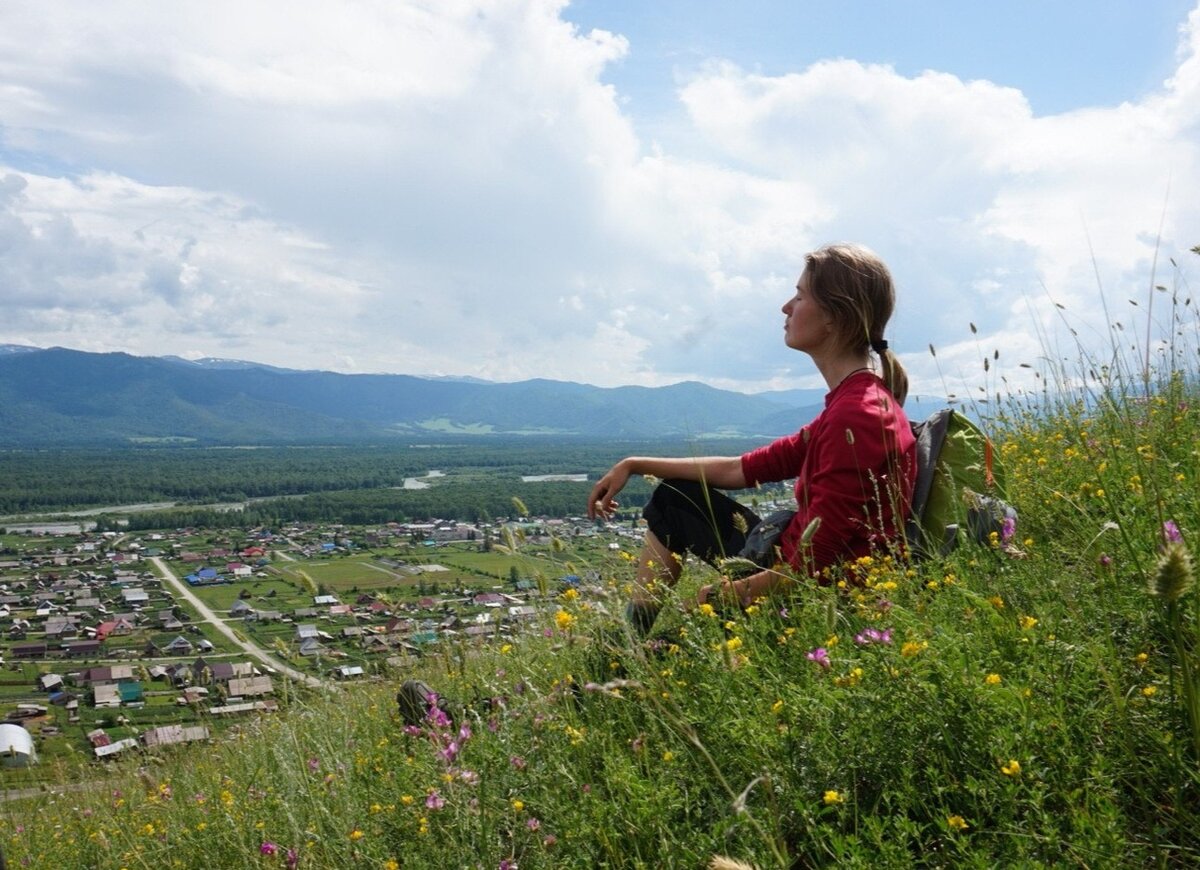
point(779, 460)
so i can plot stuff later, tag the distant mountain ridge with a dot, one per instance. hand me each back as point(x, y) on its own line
point(63, 397)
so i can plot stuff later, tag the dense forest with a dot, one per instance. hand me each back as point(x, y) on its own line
point(346, 484)
point(472, 502)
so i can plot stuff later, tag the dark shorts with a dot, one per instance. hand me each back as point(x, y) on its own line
point(689, 517)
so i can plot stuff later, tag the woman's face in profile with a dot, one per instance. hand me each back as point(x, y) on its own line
point(808, 325)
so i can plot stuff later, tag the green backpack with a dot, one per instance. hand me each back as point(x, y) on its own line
point(959, 488)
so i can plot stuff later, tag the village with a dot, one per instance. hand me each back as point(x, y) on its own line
point(112, 642)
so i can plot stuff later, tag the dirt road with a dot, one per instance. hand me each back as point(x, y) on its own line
point(252, 649)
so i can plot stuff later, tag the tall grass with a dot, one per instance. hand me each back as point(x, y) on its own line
point(989, 709)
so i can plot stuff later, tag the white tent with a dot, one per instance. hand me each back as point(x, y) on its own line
point(16, 746)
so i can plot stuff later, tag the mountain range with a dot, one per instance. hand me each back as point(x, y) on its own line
point(62, 397)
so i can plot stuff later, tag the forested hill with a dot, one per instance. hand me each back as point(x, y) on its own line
point(61, 397)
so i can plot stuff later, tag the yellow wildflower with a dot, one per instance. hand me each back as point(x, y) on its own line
point(564, 620)
point(1028, 622)
point(992, 679)
point(706, 609)
point(912, 648)
point(777, 707)
point(518, 804)
point(1013, 768)
point(1149, 691)
point(832, 797)
point(958, 823)
point(356, 835)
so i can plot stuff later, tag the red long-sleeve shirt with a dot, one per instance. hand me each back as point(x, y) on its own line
point(855, 467)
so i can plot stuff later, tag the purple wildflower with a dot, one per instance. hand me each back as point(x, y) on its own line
point(435, 801)
point(464, 733)
point(1008, 528)
point(508, 864)
point(470, 777)
point(533, 824)
point(268, 848)
point(821, 656)
point(314, 764)
point(293, 858)
point(412, 730)
point(1105, 560)
point(871, 635)
point(518, 762)
point(1171, 533)
point(450, 752)
point(436, 715)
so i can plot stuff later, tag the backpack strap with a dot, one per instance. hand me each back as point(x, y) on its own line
point(930, 435)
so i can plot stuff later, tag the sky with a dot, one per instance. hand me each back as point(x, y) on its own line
point(607, 191)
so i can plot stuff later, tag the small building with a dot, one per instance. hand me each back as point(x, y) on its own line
point(250, 687)
point(116, 748)
point(306, 631)
point(167, 735)
point(81, 649)
point(16, 746)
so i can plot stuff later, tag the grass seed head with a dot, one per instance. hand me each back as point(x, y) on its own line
point(1173, 575)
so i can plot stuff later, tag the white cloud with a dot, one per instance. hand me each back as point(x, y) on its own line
point(450, 187)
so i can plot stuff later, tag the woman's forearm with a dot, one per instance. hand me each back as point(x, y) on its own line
point(722, 472)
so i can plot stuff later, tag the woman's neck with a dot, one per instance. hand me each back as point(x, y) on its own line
point(839, 368)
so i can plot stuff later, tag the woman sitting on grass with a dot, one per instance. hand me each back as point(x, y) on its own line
point(854, 464)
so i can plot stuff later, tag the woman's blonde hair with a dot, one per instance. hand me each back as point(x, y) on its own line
point(854, 286)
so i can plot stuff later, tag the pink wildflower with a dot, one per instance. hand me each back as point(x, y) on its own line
point(268, 848)
point(435, 801)
point(1171, 533)
point(821, 656)
point(872, 635)
point(1007, 529)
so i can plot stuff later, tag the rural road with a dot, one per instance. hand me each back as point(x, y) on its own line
point(252, 649)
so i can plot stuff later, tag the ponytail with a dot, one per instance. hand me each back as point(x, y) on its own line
point(893, 375)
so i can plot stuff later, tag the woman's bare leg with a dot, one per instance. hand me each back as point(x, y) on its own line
point(657, 566)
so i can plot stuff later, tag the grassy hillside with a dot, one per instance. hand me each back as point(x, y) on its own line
point(1027, 705)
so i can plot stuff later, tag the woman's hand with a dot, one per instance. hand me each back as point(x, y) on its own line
point(721, 594)
point(603, 500)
